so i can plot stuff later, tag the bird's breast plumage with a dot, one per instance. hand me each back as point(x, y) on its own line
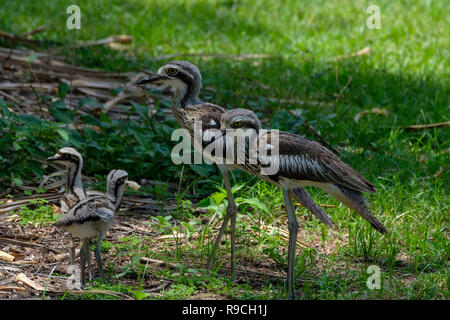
point(206, 115)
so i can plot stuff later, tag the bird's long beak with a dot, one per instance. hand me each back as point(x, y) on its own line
point(54, 158)
point(133, 185)
point(150, 78)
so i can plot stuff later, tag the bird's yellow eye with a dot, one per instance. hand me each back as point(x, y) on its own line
point(171, 71)
point(237, 124)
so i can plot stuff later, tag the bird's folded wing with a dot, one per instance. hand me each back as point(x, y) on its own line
point(91, 209)
point(105, 214)
point(302, 159)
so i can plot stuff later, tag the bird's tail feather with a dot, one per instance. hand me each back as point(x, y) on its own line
point(305, 199)
point(355, 200)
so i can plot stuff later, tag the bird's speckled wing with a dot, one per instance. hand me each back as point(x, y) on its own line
point(303, 159)
point(91, 209)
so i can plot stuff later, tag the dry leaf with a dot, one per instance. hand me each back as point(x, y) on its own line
point(423, 158)
point(6, 256)
point(363, 51)
point(440, 172)
point(377, 111)
point(56, 209)
point(17, 256)
point(21, 278)
point(117, 46)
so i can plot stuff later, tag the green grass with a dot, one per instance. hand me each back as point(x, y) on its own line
point(42, 213)
point(407, 74)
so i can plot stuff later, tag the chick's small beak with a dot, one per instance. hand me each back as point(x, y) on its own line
point(149, 79)
point(133, 185)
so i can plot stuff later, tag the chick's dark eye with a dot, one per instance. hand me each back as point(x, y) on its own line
point(171, 71)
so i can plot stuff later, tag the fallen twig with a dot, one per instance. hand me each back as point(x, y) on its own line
point(122, 95)
point(12, 288)
point(27, 244)
point(159, 288)
point(418, 127)
point(37, 86)
point(34, 31)
point(362, 52)
point(20, 39)
point(13, 205)
point(122, 38)
point(10, 97)
point(159, 262)
point(21, 278)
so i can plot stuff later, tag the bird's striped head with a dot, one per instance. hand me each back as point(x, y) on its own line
point(180, 79)
point(117, 178)
point(116, 184)
point(240, 118)
point(68, 157)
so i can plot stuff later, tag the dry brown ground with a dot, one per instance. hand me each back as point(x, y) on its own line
point(40, 253)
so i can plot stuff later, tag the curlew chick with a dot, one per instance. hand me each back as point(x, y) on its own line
point(74, 191)
point(112, 190)
point(93, 217)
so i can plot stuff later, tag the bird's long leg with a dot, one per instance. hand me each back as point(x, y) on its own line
point(233, 246)
point(98, 256)
point(218, 238)
point(83, 262)
point(88, 259)
point(231, 213)
point(72, 249)
point(293, 230)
